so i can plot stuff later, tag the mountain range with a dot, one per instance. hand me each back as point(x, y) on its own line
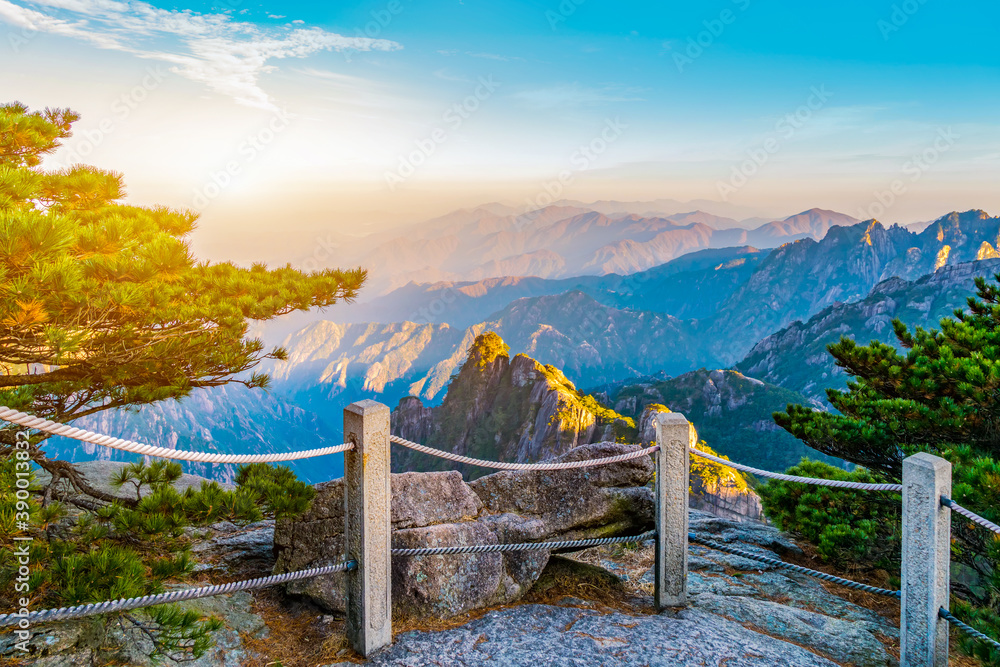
point(559, 241)
point(762, 312)
point(796, 357)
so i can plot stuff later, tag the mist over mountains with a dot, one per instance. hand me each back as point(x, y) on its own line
point(766, 311)
point(561, 241)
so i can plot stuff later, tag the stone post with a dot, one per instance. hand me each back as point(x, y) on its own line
point(368, 528)
point(926, 561)
point(674, 435)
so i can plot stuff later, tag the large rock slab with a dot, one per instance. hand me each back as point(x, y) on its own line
point(849, 642)
point(531, 635)
point(774, 601)
point(440, 509)
point(449, 585)
point(577, 503)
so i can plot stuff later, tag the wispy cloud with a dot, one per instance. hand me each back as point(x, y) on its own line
point(493, 56)
point(447, 75)
point(575, 95)
point(479, 54)
point(227, 56)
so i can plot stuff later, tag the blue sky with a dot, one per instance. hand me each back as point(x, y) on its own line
point(314, 117)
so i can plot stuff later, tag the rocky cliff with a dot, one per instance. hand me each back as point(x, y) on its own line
point(731, 411)
point(796, 357)
point(503, 409)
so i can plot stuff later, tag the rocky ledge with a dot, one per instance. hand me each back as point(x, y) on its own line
point(741, 614)
point(599, 611)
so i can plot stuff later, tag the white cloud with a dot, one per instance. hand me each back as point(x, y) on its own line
point(227, 56)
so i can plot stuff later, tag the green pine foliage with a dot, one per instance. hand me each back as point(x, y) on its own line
point(940, 394)
point(487, 347)
point(846, 526)
point(107, 298)
point(120, 551)
point(275, 489)
point(102, 306)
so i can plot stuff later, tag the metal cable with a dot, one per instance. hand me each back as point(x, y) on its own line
point(524, 546)
point(860, 486)
point(29, 421)
point(972, 516)
point(499, 465)
point(796, 568)
point(968, 629)
point(110, 606)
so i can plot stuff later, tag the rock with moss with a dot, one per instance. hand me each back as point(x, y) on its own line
point(714, 487)
point(506, 409)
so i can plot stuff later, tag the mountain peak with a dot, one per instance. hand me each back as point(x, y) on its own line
point(487, 347)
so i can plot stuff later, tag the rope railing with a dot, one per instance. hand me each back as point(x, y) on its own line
point(671, 456)
point(55, 428)
point(968, 514)
point(857, 486)
point(523, 546)
point(126, 604)
point(795, 568)
point(968, 629)
point(500, 465)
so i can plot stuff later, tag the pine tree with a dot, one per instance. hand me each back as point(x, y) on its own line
point(102, 306)
point(938, 393)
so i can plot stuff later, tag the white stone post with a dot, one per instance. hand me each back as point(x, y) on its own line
point(368, 528)
point(674, 435)
point(926, 561)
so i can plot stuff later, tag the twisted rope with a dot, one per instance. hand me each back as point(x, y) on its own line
point(795, 568)
point(499, 465)
point(109, 606)
point(968, 629)
point(859, 486)
point(29, 421)
point(525, 546)
point(972, 516)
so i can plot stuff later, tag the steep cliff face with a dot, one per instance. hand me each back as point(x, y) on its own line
point(796, 357)
point(802, 278)
point(952, 239)
point(503, 409)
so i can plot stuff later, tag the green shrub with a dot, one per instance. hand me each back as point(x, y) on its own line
point(848, 527)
